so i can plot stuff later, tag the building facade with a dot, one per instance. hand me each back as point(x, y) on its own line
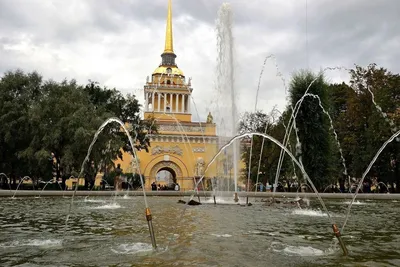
point(181, 150)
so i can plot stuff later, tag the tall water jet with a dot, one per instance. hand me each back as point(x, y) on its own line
point(227, 109)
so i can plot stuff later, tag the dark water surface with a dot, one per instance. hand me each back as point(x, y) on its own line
point(113, 232)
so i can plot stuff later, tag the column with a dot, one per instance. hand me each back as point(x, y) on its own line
point(159, 101)
point(145, 101)
point(165, 102)
point(183, 103)
point(176, 103)
point(152, 101)
point(170, 102)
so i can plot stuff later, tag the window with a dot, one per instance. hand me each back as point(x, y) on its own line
point(168, 81)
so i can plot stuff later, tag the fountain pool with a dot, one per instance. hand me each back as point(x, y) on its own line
point(108, 233)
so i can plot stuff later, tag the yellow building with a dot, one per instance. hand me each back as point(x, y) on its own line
point(181, 150)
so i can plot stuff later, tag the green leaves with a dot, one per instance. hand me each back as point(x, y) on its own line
point(40, 117)
point(362, 127)
point(313, 126)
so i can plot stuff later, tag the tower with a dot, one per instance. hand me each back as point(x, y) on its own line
point(181, 148)
point(167, 94)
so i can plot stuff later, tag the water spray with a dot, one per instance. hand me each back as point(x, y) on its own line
point(134, 158)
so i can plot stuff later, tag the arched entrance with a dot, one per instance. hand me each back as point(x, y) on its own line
point(166, 176)
point(166, 173)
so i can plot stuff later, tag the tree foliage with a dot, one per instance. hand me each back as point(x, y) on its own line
point(270, 124)
point(43, 117)
point(313, 126)
point(362, 127)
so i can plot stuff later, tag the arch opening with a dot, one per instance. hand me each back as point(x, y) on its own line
point(165, 175)
point(166, 178)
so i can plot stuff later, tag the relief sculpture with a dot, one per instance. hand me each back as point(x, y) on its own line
point(169, 150)
point(174, 128)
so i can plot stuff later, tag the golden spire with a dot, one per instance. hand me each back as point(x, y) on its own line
point(169, 44)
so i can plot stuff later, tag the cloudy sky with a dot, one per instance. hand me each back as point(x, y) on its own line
point(118, 42)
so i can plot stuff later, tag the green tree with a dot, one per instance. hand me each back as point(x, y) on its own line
point(18, 93)
point(376, 121)
point(39, 118)
point(313, 128)
point(272, 125)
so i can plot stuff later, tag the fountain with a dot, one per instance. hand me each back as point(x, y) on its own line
point(393, 137)
point(135, 158)
point(292, 125)
point(227, 110)
point(387, 189)
point(201, 237)
point(20, 182)
point(334, 225)
point(174, 242)
point(300, 187)
point(48, 182)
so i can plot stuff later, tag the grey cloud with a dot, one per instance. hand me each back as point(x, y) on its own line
point(356, 29)
point(50, 22)
point(339, 33)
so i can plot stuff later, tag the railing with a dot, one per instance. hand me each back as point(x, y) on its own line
point(177, 86)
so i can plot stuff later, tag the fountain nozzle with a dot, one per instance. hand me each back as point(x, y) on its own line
point(336, 231)
point(151, 230)
point(148, 214)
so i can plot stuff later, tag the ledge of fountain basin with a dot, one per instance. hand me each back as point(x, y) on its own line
point(31, 193)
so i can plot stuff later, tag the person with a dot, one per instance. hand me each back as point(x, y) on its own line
point(154, 186)
point(56, 169)
point(90, 176)
point(177, 187)
point(117, 179)
point(261, 187)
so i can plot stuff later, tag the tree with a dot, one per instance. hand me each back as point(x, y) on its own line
point(40, 118)
point(272, 125)
point(313, 127)
point(18, 92)
point(376, 120)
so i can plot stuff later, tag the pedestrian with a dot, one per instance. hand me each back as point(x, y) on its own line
point(154, 186)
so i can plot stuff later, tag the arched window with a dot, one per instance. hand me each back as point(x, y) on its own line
point(168, 81)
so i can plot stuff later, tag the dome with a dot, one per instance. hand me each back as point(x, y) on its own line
point(168, 70)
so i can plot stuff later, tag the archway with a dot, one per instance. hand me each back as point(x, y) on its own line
point(166, 177)
point(183, 179)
